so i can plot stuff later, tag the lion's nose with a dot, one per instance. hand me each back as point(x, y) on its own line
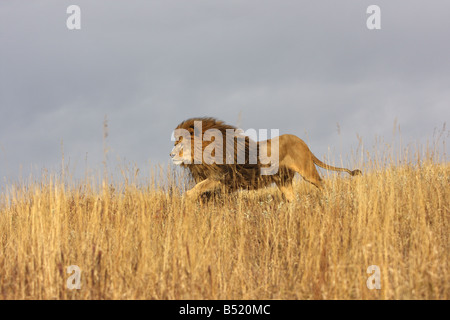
point(172, 154)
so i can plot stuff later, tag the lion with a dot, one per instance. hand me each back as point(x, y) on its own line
point(282, 157)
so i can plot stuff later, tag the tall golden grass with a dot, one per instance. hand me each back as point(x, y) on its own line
point(132, 240)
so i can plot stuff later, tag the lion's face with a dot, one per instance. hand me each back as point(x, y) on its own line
point(178, 156)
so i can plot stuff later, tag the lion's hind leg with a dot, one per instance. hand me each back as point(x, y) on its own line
point(307, 170)
point(296, 156)
point(312, 176)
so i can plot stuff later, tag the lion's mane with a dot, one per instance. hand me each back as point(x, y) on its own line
point(232, 176)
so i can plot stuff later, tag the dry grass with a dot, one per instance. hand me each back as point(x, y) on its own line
point(135, 242)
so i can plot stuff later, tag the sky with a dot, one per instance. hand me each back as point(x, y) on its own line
point(309, 68)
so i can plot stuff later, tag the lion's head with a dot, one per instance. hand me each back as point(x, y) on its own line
point(201, 146)
point(192, 138)
point(178, 156)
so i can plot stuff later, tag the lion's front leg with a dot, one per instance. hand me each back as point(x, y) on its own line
point(201, 187)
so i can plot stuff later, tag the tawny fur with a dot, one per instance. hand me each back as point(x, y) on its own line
point(294, 156)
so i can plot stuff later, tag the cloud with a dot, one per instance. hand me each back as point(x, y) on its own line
point(299, 66)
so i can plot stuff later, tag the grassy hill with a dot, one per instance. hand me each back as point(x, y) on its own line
point(134, 242)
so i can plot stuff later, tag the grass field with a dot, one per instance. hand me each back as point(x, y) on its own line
point(134, 241)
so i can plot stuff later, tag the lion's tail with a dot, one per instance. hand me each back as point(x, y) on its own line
point(328, 167)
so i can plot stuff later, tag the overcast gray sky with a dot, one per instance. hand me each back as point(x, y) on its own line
point(298, 66)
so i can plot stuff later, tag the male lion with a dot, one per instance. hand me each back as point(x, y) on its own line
point(232, 172)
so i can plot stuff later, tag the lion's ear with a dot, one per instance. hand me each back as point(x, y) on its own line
point(194, 132)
